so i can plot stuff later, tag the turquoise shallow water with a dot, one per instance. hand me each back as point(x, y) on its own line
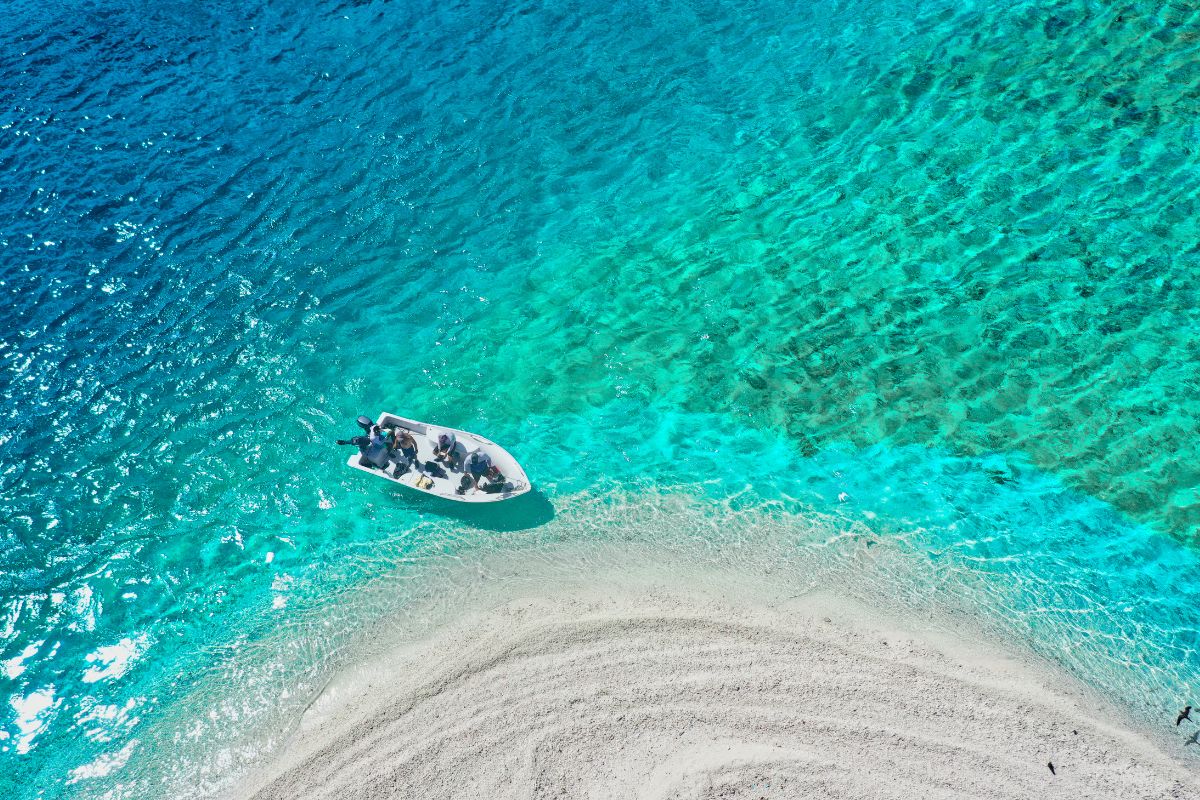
point(897, 295)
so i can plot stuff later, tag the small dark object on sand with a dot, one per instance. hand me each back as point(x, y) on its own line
point(1050, 764)
point(1185, 714)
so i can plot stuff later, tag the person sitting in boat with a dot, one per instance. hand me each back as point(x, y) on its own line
point(372, 449)
point(361, 442)
point(403, 450)
point(447, 451)
point(476, 466)
point(494, 480)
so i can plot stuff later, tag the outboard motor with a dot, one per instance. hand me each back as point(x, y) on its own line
point(365, 423)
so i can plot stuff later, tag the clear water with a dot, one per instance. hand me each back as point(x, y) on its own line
point(897, 295)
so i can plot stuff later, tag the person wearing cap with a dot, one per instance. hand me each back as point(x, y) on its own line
point(476, 466)
point(446, 451)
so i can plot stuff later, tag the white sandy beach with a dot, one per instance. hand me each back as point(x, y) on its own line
point(659, 692)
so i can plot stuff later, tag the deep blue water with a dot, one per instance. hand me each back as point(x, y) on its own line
point(897, 298)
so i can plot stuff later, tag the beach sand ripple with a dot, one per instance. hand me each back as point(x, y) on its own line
point(661, 694)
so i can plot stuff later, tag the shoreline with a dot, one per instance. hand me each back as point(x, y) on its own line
point(638, 683)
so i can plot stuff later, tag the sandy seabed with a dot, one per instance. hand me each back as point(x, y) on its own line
point(663, 692)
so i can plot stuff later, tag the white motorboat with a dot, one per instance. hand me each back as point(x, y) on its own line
point(443, 482)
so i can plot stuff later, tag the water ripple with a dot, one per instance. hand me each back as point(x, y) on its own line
point(957, 242)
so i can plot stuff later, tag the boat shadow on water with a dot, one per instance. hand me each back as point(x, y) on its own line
point(523, 512)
